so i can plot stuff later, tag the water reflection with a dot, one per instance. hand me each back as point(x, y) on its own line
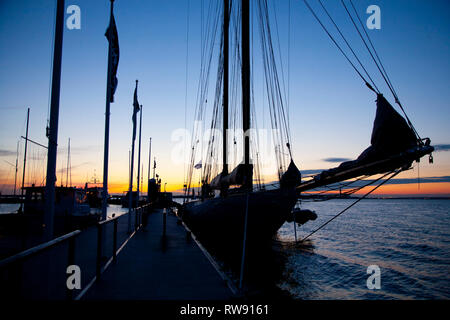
point(408, 239)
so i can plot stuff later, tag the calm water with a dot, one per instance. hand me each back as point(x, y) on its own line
point(408, 239)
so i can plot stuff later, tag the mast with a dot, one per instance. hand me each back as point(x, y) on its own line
point(53, 129)
point(70, 167)
point(68, 159)
point(139, 157)
point(17, 161)
point(149, 168)
point(142, 177)
point(226, 20)
point(107, 117)
point(130, 190)
point(25, 153)
point(246, 91)
point(149, 159)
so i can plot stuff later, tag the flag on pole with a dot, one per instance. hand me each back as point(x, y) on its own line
point(113, 39)
point(135, 110)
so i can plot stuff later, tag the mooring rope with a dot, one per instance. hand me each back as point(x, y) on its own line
point(323, 225)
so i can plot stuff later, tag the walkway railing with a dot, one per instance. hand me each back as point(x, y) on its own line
point(42, 272)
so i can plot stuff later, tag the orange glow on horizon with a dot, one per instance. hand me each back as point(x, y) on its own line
point(435, 188)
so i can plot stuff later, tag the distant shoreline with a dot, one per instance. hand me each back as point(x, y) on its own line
point(409, 198)
point(384, 197)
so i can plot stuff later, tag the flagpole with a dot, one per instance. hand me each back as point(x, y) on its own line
point(107, 116)
point(53, 129)
point(139, 157)
point(25, 157)
point(130, 189)
point(149, 165)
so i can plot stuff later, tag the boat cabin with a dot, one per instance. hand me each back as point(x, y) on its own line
point(69, 201)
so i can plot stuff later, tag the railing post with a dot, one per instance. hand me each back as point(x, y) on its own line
point(99, 251)
point(135, 219)
point(115, 240)
point(71, 261)
point(11, 268)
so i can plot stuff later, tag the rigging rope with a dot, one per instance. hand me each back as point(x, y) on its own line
point(348, 45)
point(208, 36)
point(339, 47)
point(373, 47)
point(394, 173)
point(367, 47)
point(378, 62)
point(186, 95)
point(343, 185)
point(279, 122)
point(382, 70)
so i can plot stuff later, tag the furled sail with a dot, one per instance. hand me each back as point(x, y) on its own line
point(236, 177)
point(393, 145)
point(217, 182)
point(390, 136)
point(292, 177)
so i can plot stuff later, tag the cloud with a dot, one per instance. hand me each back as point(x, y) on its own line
point(334, 160)
point(6, 153)
point(421, 180)
point(441, 147)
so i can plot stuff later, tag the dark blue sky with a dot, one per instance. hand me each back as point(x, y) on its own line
point(331, 111)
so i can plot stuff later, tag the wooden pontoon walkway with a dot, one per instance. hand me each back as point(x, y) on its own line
point(153, 267)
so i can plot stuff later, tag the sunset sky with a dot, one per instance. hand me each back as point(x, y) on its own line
point(331, 112)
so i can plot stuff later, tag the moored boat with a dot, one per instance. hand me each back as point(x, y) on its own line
point(235, 208)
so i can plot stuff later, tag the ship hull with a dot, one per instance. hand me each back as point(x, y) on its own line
point(219, 222)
